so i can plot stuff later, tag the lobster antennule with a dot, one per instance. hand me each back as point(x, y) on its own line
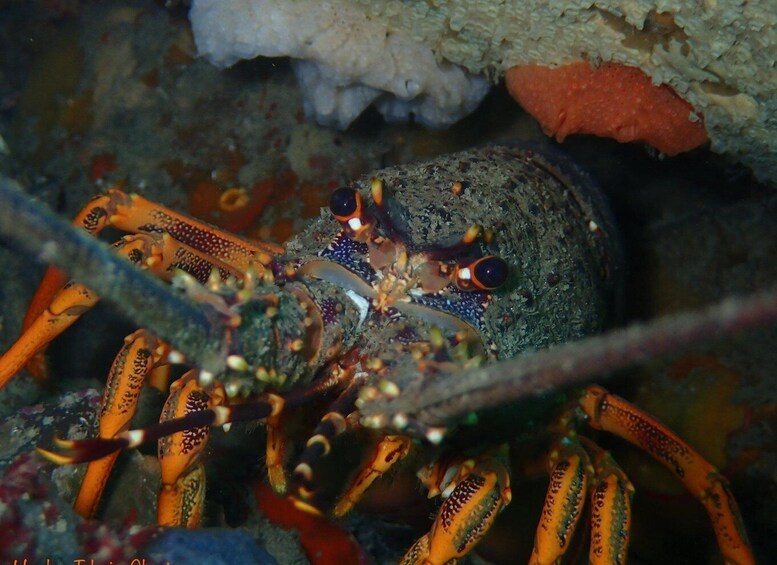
point(84, 450)
point(194, 329)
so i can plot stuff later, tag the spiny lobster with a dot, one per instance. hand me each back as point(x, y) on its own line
point(412, 302)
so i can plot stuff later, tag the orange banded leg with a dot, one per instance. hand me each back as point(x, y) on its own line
point(613, 414)
point(570, 472)
point(69, 304)
point(276, 452)
point(138, 357)
point(387, 452)
point(159, 253)
point(93, 219)
point(611, 494)
point(159, 378)
point(134, 214)
point(481, 490)
point(180, 504)
point(183, 478)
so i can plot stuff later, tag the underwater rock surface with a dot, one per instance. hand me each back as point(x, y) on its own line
point(344, 60)
point(719, 57)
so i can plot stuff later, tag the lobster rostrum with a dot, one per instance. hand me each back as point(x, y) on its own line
point(415, 275)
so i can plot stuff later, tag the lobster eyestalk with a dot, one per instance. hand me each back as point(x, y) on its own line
point(426, 412)
point(197, 330)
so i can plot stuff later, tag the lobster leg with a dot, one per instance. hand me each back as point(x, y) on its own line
point(576, 471)
point(481, 490)
point(161, 254)
point(276, 452)
point(140, 354)
point(389, 450)
point(134, 214)
point(570, 472)
point(611, 496)
point(183, 478)
point(93, 219)
point(67, 306)
point(613, 414)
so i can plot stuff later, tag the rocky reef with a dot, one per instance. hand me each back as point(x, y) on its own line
point(431, 59)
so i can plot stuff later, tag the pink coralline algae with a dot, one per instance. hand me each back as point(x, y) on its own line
point(36, 525)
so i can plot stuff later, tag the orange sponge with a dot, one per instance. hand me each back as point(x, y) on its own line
point(611, 100)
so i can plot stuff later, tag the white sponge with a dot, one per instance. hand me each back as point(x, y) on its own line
point(345, 60)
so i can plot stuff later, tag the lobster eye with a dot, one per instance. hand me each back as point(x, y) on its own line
point(348, 208)
point(489, 272)
point(345, 203)
point(486, 273)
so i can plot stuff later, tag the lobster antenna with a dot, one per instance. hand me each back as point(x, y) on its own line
point(194, 329)
point(426, 412)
